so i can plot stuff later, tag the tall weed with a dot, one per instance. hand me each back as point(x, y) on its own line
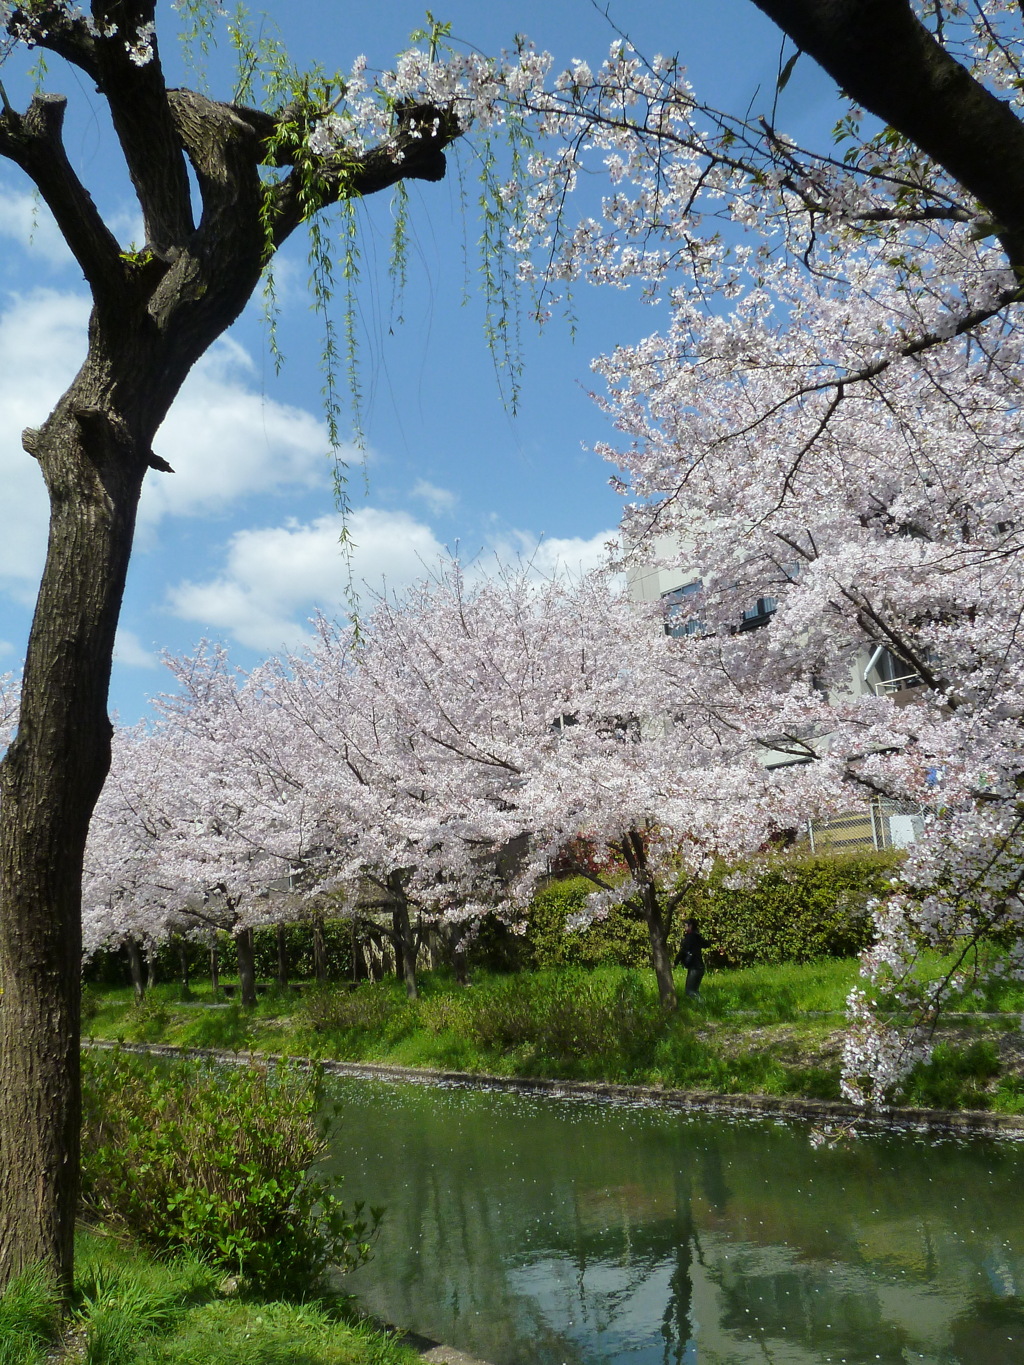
point(570, 1017)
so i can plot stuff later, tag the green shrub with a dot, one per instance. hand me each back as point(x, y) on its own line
point(620, 939)
point(149, 1019)
point(791, 909)
point(217, 1162)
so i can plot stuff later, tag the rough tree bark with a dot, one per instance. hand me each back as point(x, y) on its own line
point(214, 966)
point(879, 52)
point(282, 956)
point(319, 949)
point(154, 314)
point(183, 967)
point(404, 938)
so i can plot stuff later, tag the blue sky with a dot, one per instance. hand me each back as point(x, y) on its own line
point(241, 543)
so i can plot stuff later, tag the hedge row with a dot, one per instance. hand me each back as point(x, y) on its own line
point(784, 911)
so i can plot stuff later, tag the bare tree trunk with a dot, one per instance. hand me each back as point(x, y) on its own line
point(319, 949)
point(282, 957)
point(404, 940)
point(183, 964)
point(460, 963)
point(661, 957)
point(134, 954)
point(659, 922)
point(50, 780)
point(246, 967)
point(150, 969)
point(214, 966)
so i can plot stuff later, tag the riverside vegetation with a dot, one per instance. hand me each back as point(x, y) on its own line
point(773, 1030)
point(583, 1005)
point(211, 1232)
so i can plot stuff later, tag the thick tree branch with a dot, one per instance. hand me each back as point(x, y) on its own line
point(414, 152)
point(33, 142)
point(879, 52)
point(133, 85)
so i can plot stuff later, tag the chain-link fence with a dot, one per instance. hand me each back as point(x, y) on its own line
point(879, 824)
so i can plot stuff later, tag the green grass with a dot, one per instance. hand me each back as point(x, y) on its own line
point(132, 1310)
point(766, 1029)
point(28, 1320)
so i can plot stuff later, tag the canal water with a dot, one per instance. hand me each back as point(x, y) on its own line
point(541, 1231)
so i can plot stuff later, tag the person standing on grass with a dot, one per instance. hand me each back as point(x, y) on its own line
point(690, 957)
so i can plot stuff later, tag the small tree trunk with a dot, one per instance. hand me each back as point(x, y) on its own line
point(405, 948)
point(357, 953)
point(134, 954)
point(150, 970)
point(319, 949)
point(634, 849)
point(460, 964)
point(282, 956)
point(246, 967)
point(661, 957)
point(183, 964)
point(214, 966)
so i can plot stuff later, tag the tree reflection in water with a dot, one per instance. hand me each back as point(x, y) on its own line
point(540, 1230)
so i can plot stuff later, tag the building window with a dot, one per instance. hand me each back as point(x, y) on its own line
point(679, 606)
point(759, 614)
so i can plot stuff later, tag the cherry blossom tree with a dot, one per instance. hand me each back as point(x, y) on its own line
point(474, 730)
point(407, 843)
point(828, 422)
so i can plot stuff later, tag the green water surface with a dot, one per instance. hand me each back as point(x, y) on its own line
point(563, 1232)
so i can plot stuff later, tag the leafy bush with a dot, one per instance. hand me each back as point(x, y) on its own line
point(217, 1162)
point(788, 910)
point(620, 939)
point(791, 909)
point(149, 1019)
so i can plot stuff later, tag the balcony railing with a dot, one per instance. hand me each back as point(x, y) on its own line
point(885, 687)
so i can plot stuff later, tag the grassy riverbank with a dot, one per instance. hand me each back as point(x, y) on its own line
point(132, 1310)
point(759, 1030)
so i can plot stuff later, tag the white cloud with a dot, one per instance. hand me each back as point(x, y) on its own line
point(275, 576)
point(438, 500)
point(42, 344)
point(131, 652)
point(226, 441)
point(554, 556)
point(27, 221)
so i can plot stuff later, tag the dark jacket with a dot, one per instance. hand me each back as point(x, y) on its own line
point(689, 954)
